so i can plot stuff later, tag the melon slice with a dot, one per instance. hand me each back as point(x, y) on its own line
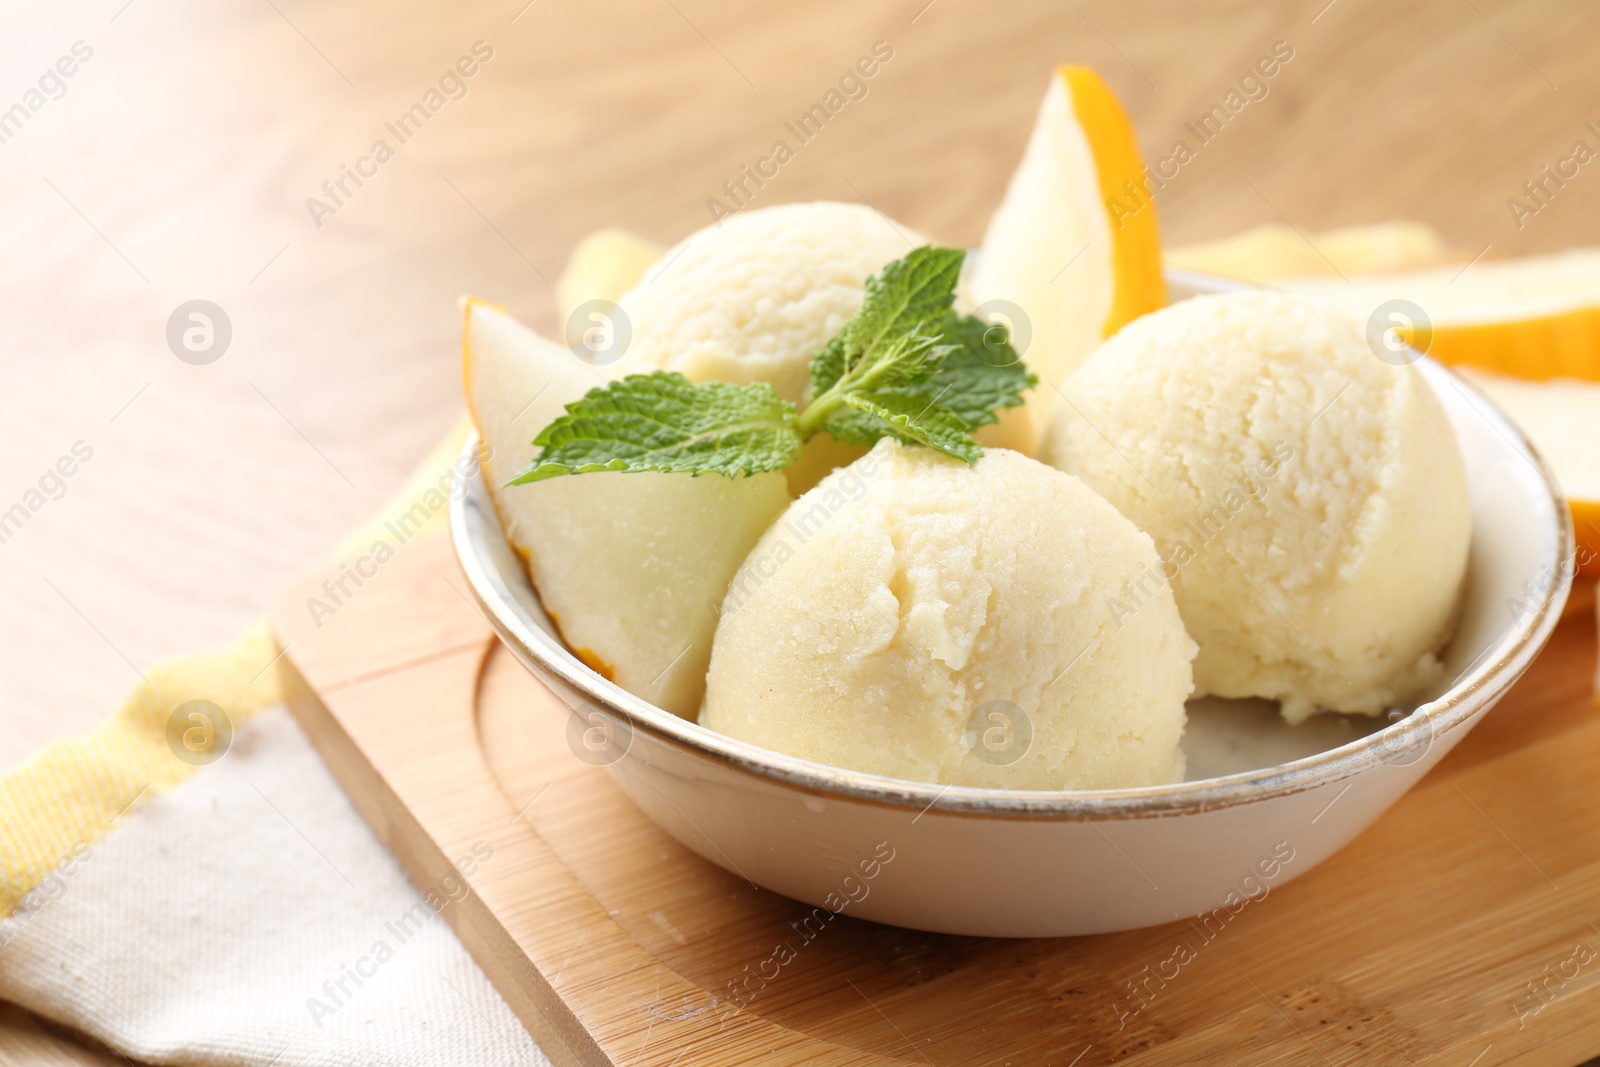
point(1264, 253)
point(1074, 244)
point(1561, 418)
point(604, 265)
point(631, 568)
point(1536, 318)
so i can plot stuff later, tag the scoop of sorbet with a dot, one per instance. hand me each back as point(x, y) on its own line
point(753, 297)
point(916, 618)
point(1308, 499)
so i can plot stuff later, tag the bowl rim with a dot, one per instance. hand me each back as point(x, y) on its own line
point(1484, 681)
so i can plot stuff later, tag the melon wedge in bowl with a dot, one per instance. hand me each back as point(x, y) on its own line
point(630, 567)
point(1073, 245)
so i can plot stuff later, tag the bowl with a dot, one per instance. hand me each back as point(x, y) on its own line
point(1270, 801)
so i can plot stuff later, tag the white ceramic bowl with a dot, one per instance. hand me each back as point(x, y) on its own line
point(1035, 864)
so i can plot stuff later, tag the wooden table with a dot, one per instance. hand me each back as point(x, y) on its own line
point(178, 162)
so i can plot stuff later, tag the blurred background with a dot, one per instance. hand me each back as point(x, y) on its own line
point(176, 162)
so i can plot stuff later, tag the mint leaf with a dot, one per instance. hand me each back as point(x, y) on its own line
point(973, 378)
point(910, 293)
point(827, 367)
point(978, 375)
point(906, 418)
point(664, 422)
point(958, 362)
point(888, 340)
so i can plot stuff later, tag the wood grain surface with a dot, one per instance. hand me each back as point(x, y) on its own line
point(1460, 928)
point(178, 160)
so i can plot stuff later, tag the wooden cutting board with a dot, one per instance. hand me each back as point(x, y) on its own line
point(1460, 929)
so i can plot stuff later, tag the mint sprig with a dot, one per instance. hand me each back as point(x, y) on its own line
point(664, 422)
point(905, 366)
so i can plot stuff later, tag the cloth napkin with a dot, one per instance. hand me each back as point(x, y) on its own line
point(184, 907)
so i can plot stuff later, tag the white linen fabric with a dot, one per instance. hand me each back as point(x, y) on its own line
point(250, 917)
